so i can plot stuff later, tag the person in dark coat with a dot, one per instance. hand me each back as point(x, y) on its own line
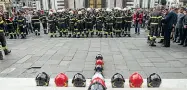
point(169, 21)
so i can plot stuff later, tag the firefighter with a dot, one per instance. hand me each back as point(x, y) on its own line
point(15, 25)
point(109, 24)
point(52, 25)
point(154, 22)
point(10, 28)
point(118, 24)
point(99, 26)
point(128, 21)
point(88, 24)
point(21, 22)
point(44, 23)
point(36, 24)
point(71, 24)
point(80, 22)
point(2, 37)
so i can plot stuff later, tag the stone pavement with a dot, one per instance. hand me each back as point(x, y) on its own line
point(73, 55)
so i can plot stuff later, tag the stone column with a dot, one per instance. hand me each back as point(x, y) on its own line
point(71, 4)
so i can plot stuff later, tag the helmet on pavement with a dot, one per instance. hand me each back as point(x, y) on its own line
point(135, 80)
point(99, 62)
point(154, 80)
point(61, 80)
point(42, 79)
point(79, 80)
point(99, 56)
point(98, 68)
point(117, 81)
point(97, 84)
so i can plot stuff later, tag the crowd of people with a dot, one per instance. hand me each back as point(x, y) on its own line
point(165, 23)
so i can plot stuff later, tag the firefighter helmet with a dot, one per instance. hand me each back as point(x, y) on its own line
point(96, 86)
point(79, 12)
point(98, 75)
point(135, 80)
point(99, 62)
point(42, 79)
point(61, 80)
point(99, 56)
point(154, 80)
point(98, 68)
point(117, 81)
point(99, 81)
point(79, 80)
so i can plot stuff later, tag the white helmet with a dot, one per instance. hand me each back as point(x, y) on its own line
point(108, 9)
point(125, 9)
point(79, 12)
point(71, 12)
point(63, 10)
point(128, 8)
point(88, 9)
point(59, 10)
point(98, 74)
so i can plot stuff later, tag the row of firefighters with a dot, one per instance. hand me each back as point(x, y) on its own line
point(73, 25)
point(98, 81)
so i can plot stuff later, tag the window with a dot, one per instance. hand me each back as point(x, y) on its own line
point(60, 1)
point(60, 5)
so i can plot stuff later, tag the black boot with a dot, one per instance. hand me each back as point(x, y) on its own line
point(60, 34)
point(11, 36)
point(78, 36)
point(7, 51)
point(1, 55)
point(15, 36)
point(45, 31)
point(22, 36)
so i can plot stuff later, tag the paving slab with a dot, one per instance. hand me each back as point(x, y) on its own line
point(72, 55)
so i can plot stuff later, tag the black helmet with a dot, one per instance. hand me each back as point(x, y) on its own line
point(117, 81)
point(79, 80)
point(96, 86)
point(154, 80)
point(42, 79)
point(99, 56)
point(98, 68)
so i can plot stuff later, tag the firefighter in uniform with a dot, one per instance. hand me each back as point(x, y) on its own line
point(109, 24)
point(99, 26)
point(44, 23)
point(52, 26)
point(16, 25)
point(128, 21)
point(154, 22)
point(10, 28)
point(2, 37)
point(36, 24)
point(62, 22)
point(88, 24)
point(80, 24)
point(21, 22)
point(118, 24)
point(72, 21)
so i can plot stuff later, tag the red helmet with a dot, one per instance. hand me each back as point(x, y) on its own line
point(98, 80)
point(99, 62)
point(135, 80)
point(61, 80)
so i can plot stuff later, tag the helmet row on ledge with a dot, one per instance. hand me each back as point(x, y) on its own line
point(117, 80)
point(98, 81)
